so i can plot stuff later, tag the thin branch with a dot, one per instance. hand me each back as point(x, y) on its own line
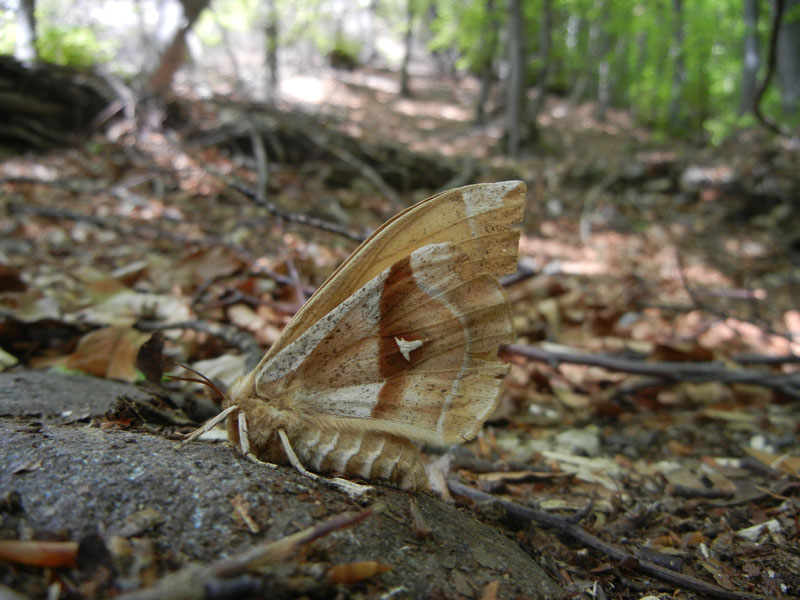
point(673, 372)
point(762, 359)
point(618, 554)
point(295, 217)
point(772, 59)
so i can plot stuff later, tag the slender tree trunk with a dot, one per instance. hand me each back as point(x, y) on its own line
point(620, 79)
point(788, 58)
point(601, 44)
point(772, 58)
point(25, 45)
point(405, 87)
point(577, 44)
point(638, 71)
point(271, 36)
point(515, 86)
point(545, 42)
point(678, 56)
point(370, 54)
point(751, 61)
point(489, 44)
point(172, 58)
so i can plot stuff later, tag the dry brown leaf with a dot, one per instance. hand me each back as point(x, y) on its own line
point(150, 358)
point(126, 306)
point(109, 352)
point(782, 462)
point(199, 267)
point(570, 398)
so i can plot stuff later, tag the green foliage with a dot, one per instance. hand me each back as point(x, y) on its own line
point(637, 39)
point(475, 28)
point(346, 50)
point(232, 15)
point(8, 31)
point(634, 39)
point(73, 46)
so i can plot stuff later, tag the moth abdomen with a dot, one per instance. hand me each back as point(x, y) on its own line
point(370, 455)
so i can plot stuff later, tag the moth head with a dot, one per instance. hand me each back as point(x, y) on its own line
point(242, 387)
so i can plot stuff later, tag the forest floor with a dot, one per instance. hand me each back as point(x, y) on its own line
point(659, 411)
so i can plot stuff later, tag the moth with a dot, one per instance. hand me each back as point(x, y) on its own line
point(398, 346)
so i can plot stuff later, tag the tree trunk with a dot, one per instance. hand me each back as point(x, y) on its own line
point(370, 53)
point(25, 46)
point(788, 58)
point(515, 85)
point(489, 44)
point(678, 56)
point(405, 87)
point(620, 79)
point(751, 61)
point(601, 45)
point(271, 37)
point(545, 42)
point(172, 58)
point(577, 27)
point(638, 71)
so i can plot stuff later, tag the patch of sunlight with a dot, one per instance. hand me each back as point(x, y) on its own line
point(745, 248)
point(436, 110)
point(565, 258)
point(307, 89)
point(730, 329)
point(706, 276)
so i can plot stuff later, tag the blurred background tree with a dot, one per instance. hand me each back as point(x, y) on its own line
point(684, 68)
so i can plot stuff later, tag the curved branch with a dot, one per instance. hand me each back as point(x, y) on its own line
point(672, 372)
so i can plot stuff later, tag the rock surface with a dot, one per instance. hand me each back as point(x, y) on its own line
point(77, 478)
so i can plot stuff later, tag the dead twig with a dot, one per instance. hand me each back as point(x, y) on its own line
point(671, 372)
point(762, 359)
point(295, 217)
point(521, 275)
point(192, 581)
point(626, 559)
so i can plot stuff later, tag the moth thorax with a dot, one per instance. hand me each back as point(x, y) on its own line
point(241, 388)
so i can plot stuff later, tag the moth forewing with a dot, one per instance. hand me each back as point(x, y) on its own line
point(481, 219)
point(407, 354)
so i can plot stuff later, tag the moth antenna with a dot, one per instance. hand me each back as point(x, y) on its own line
point(203, 380)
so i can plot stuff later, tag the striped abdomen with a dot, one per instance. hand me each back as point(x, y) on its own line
point(371, 455)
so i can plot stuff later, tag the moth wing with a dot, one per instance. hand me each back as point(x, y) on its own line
point(479, 219)
point(413, 352)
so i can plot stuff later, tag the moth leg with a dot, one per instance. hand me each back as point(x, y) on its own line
point(244, 441)
point(207, 426)
point(352, 489)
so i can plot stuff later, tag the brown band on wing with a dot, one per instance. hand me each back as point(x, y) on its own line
point(391, 362)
